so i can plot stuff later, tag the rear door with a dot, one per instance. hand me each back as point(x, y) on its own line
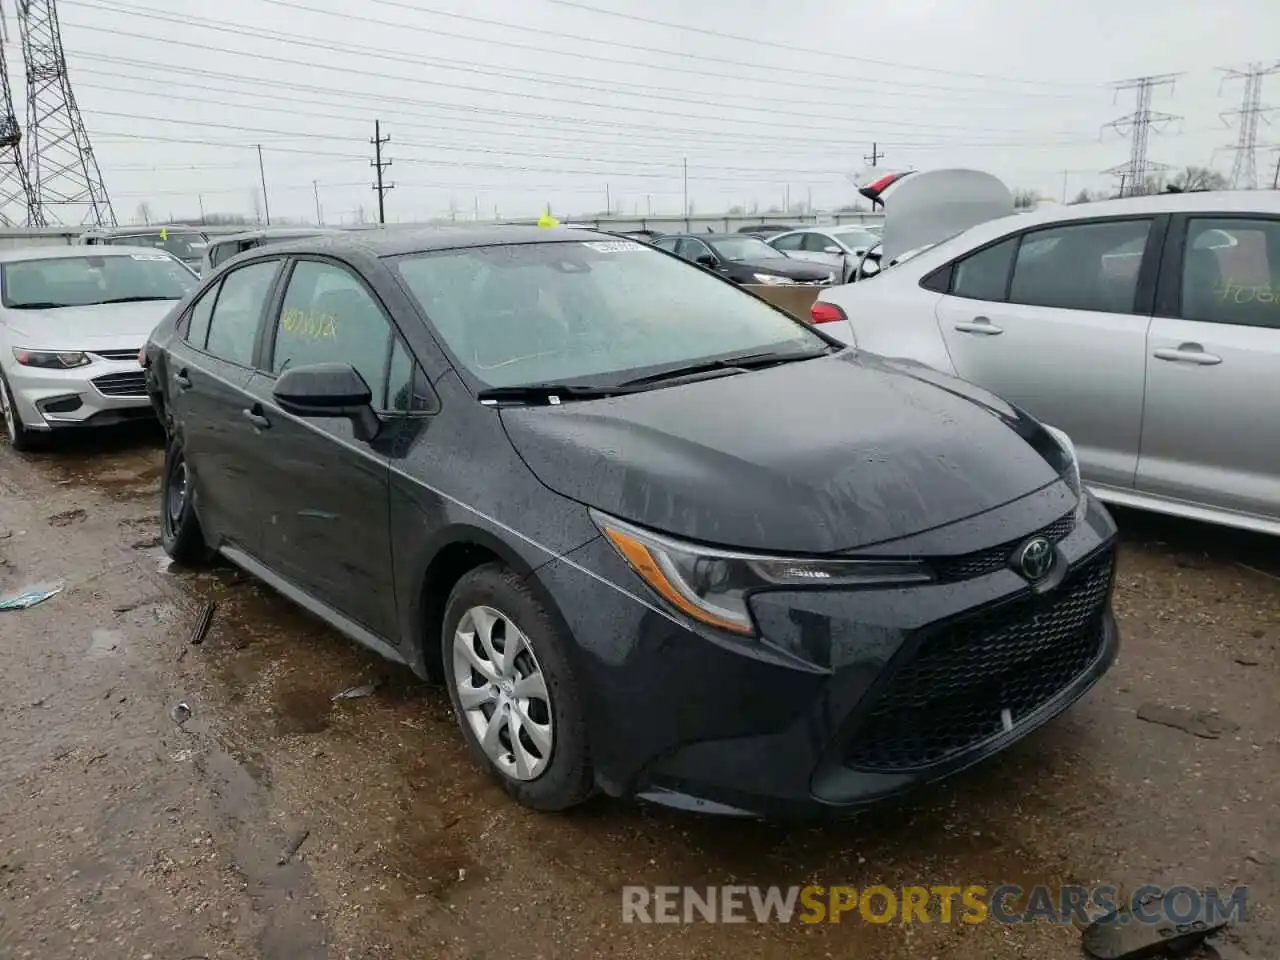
point(209, 372)
point(325, 499)
point(1055, 321)
point(1210, 433)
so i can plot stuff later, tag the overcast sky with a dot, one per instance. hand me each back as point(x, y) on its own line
point(509, 105)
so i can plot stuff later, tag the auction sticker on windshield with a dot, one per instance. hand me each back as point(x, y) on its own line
point(150, 256)
point(613, 246)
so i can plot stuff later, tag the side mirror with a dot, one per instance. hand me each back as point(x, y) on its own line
point(870, 268)
point(832, 249)
point(705, 260)
point(329, 390)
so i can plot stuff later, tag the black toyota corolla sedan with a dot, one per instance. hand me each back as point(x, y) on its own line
point(658, 538)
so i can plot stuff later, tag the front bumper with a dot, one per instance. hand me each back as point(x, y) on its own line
point(98, 394)
point(855, 696)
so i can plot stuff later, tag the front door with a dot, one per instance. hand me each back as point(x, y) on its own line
point(325, 499)
point(1210, 433)
point(1049, 321)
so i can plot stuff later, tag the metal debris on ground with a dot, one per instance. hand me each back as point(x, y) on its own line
point(180, 713)
point(1120, 938)
point(355, 693)
point(294, 846)
point(29, 597)
point(202, 624)
point(1199, 723)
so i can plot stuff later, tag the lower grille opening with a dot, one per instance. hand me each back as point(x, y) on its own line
point(127, 384)
point(949, 697)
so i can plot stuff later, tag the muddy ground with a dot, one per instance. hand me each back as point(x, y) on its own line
point(125, 835)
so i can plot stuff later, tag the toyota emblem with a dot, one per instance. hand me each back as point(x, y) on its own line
point(1035, 558)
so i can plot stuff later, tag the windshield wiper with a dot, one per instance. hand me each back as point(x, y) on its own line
point(137, 299)
point(750, 361)
point(39, 305)
point(551, 393)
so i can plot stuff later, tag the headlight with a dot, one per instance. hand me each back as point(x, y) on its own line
point(772, 279)
point(713, 585)
point(1071, 474)
point(50, 360)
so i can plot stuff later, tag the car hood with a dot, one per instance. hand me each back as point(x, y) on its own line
point(107, 326)
point(812, 457)
point(784, 266)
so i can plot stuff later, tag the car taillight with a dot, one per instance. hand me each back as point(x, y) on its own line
point(822, 312)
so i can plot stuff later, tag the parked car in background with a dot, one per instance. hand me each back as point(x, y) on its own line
point(186, 243)
point(839, 248)
point(72, 323)
point(583, 482)
point(743, 259)
point(222, 249)
point(1148, 328)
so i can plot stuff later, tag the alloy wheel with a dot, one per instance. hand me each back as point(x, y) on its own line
point(502, 693)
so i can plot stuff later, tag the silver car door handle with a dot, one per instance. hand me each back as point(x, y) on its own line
point(980, 325)
point(1188, 353)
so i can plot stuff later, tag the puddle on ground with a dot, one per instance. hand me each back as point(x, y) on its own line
point(104, 643)
point(302, 710)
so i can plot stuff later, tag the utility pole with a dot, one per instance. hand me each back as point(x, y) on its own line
point(262, 175)
point(875, 156)
point(648, 203)
point(379, 164)
point(1064, 185)
point(685, 167)
point(1244, 172)
point(200, 200)
point(608, 200)
point(1275, 180)
point(315, 189)
point(1138, 126)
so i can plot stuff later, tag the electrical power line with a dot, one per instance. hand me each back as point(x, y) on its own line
point(1133, 174)
point(645, 91)
point(1244, 171)
point(812, 51)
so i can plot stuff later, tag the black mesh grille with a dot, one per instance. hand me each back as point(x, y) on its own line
point(983, 562)
point(948, 697)
point(128, 384)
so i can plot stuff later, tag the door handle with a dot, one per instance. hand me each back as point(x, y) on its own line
point(181, 379)
point(1188, 353)
point(980, 325)
point(257, 419)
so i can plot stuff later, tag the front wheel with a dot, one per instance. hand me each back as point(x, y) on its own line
point(20, 438)
point(180, 532)
point(507, 669)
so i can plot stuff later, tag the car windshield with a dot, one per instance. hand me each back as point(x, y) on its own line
point(183, 245)
point(588, 311)
point(855, 237)
point(741, 248)
point(85, 281)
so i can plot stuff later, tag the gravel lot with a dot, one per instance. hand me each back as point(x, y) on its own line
point(125, 835)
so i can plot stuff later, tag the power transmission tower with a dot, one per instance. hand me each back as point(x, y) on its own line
point(379, 164)
point(1137, 125)
point(15, 187)
point(1244, 172)
point(66, 184)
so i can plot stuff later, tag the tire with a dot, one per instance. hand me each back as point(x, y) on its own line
point(180, 532)
point(544, 779)
point(20, 438)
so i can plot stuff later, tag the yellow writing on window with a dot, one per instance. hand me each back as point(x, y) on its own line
point(1256, 293)
point(308, 323)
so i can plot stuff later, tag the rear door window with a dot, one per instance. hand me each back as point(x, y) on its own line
point(985, 274)
point(1081, 266)
point(233, 328)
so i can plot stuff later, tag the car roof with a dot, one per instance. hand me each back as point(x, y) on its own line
point(141, 230)
point(283, 232)
point(398, 242)
point(20, 254)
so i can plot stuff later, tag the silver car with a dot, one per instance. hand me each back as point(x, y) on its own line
point(188, 244)
point(837, 247)
point(72, 321)
point(1147, 328)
